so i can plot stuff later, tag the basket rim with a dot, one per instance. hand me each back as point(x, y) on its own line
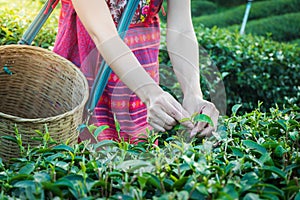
point(56, 117)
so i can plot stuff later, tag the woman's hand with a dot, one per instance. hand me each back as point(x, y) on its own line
point(164, 112)
point(196, 104)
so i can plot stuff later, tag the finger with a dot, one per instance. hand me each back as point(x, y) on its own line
point(157, 127)
point(166, 119)
point(156, 113)
point(179, 113)
point(166, 122)
point(198, 128)
point(207, 132)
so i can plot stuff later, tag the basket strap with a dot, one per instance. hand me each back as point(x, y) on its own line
point(38, 22)
point(104, 70)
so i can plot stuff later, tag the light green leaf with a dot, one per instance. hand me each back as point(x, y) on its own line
point(203, 118)
point(235, 108)
point(105, 143)
point(99, 130)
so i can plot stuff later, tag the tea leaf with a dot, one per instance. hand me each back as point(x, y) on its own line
point(282, 123)
point(10, 138)
point(99, 130)
point(203, 118)
point(63, 147)
point(253, 145)
point(63, 165)
point(237, 152)
point(115, 174)
point(143, 180)
point(180, 183)
point(105, 143)
point(27, 169)
point(275, 170)
point(133, 165)
point(51, 187)
point(235, 108)
point(297, 197)
point(251, 196)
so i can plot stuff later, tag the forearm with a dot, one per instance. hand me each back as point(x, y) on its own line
point(182, 46)
point(184, 55)
point(96, 18)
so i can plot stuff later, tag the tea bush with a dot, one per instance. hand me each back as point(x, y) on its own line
point(252, 68)
point(203, 7)
point(280, 28)
point(251, 156)
point(15, 20)
point(259, 10)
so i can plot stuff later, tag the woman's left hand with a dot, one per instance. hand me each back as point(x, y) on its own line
point(196, 104)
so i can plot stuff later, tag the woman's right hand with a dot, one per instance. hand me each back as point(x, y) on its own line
point(164, 112)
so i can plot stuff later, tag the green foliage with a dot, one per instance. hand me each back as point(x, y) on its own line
point(202, 8)
point(14, 20)
point(252, 68)
point(259, 10)
point(251, 156)
point(228, 3)
point(280, 28)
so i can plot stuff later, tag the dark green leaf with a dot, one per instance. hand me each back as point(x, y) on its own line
point(10, 138)
point(178, 185)
point(41, 177)
point(27, 169)
point(279, 151)
point(63, 147)
point(237, 151)
point(48, 186)
point(282, 123)
point(20, 177)
point(253, 145)
point(275, 170)
point(297, 197)
point(115, 174)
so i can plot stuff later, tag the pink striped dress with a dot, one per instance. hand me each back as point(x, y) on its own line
point(143, 37)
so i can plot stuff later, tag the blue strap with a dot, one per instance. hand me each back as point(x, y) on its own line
point(104, 70)
point(38, 22)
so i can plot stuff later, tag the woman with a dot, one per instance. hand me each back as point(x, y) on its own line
point(87, 28)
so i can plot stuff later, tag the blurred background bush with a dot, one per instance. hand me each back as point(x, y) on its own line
point(262, 65)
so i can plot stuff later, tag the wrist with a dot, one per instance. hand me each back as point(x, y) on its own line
point(193, 93)
point(148, 92)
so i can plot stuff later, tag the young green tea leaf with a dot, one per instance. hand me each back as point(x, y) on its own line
point(99, 130)
point(203, 118)
point(235, 108)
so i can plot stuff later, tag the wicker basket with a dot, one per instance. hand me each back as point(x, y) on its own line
point(38, 88)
